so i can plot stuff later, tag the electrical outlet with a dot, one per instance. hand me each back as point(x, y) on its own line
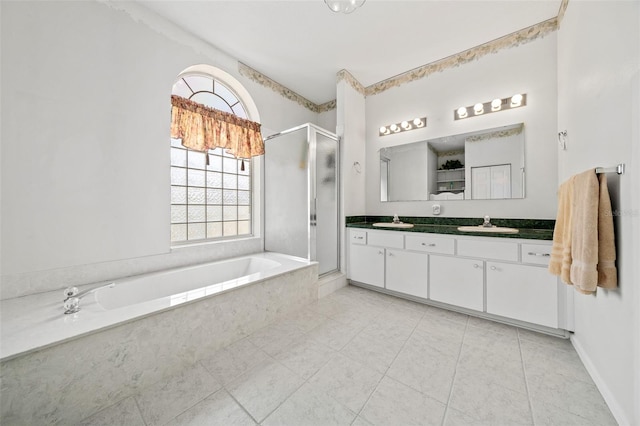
point(436, 209)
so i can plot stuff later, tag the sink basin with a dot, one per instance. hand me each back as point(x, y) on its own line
point(481, 228)
point(393, 225)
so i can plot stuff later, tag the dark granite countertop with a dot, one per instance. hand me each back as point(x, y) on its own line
point(529, 229)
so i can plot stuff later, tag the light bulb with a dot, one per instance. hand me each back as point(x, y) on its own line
point(496, 104)
point(405, 125)
point(394, 128)
point(478, 108)
point(516, 100)
point(462, 112)
point(383, 130)
point(418, 122)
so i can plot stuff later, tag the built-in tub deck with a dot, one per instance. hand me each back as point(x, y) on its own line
point(38, 321)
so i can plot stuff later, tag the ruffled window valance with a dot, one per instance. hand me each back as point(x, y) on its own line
point(202, 128)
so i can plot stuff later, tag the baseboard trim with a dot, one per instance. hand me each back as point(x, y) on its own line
point(609, 398)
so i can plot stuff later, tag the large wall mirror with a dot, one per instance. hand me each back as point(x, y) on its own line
point(482, 165)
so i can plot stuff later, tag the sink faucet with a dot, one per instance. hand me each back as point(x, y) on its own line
point(396, 219)
point(487, 222)
point(71, 303)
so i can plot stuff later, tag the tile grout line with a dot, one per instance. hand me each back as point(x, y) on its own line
point(140, 411)
point(526, 381)
point(455, 371)
point(385, 373)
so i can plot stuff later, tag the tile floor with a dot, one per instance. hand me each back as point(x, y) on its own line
point(358, 357)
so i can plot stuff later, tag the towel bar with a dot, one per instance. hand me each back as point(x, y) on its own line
point(619, 169)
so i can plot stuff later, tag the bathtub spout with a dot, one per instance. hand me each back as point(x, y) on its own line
point(71, 303)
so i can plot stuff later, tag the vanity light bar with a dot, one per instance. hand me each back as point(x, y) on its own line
point(403, 126)
point(516, 101)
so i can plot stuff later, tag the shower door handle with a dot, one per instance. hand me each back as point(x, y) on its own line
point(314, 215)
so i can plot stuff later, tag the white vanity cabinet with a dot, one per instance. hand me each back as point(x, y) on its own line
point(406, 272)
point(457, 281)
point(505, 279)
point(525, 293)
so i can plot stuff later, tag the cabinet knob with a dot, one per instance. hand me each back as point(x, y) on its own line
point(380, 252)
point(493, 268)
point(359, 238)
point(390, 254)
point(475, 265)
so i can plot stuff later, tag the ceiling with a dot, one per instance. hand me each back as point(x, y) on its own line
point(302, 44)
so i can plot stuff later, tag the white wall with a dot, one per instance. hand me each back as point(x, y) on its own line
point(85, 158)
point(529, 68)
point(598, 80)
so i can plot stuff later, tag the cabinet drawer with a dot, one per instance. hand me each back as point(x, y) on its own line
point(430, 244)
point(536, 253)
point(488, 249)
point(385, 239)
point(358, 237)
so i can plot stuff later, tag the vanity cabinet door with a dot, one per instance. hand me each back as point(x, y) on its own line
point(526, 293)
point(366, 264)
point(458, 282)
point(407, 272)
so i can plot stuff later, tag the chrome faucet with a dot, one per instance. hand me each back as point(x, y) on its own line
point(487, 222)
point(396, 219)
point(71, 303)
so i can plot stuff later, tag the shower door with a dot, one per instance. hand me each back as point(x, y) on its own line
point(301, 195)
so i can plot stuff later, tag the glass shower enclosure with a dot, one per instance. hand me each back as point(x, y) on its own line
point(302, 195)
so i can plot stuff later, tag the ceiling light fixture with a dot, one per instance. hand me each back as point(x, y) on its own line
point(344, 6)
point(403, 126)
point(499, 104)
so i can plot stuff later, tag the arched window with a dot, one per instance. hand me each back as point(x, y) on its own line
point(209, 201)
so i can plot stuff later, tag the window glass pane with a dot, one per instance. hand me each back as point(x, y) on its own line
point(181, 89)
point(230, 181)
point(214, 196)
point(230, 165)
point(247, 168)
point(197, 231)
point(230, 213)
point(195, 195)
point(214, 230)
point(199, 83)
point(196, 214)
point(178, 195)
point(177, 143)
point(217, 151)
point(214, 213)
point(239, 110)
point(244, 227)
point(243, 182)
point(224, 93)
point(244, 198)
point(178, 157)
point(230, 197)
point(215, 163)
point(214, 179)
point(244, 213)
point(195, 177)
point(178, 214)
point(178, 232)
point(178, 176)
point(212, 101)
point(196, 160)
point(230, 228)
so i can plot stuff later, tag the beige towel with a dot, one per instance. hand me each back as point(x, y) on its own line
point(560, 261)
point(583, 251)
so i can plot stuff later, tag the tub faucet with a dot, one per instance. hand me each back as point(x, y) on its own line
point(487, 222)
point(71, 303)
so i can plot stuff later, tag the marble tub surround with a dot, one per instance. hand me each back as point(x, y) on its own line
point(533, 229)
point(436, 367)
point(67, 382)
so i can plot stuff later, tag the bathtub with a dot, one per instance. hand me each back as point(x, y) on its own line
point(61, 369)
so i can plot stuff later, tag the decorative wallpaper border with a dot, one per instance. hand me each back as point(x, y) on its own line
point(517, 38)
point(351, 80)
point(498, 134)
point(523, 36)
point(562, 10)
